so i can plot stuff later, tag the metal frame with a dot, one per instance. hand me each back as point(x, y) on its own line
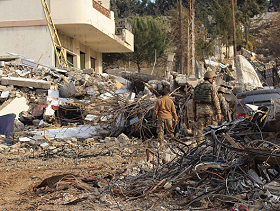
point(61, 57)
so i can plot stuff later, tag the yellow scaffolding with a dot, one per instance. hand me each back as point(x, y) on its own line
point(59, 50)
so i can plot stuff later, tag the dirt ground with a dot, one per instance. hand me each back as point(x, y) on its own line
point(22, 170)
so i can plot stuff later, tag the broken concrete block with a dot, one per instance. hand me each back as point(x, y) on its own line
point(168, 156)
point(5, 94)
point(13, 151)
point(56, 150)
point(147, 91)
point(44, 145)
point(122, 80)
point(3, 88)
point(41, 92)
point(25, 82)
point(80, 91)
point(3, 147)
point(91, 91)
point(13, 107)
point(24, 139)
point(49, 114)
point(89, 142)
point(92, 118)
point(25, 117)
point(16, 146)
point(22, 150)
point(18, 126)
point(181, 80)
point(88, 71)
point(38, 139)
point(131, 97)
point(52, 92)
point(119, 85)
point(159, 86)
point(122, 138)
point(111, 140)
point(106, 95)
point(36, 122)
point(2, 63)
point(67, 90)
point(74, 140)
point(107, 140)
point(105, 118)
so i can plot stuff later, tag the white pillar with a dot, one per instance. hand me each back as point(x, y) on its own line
point(98, 63)
point(87, 59)
point(76, 50)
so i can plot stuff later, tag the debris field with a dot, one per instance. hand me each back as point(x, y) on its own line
point(85, 141)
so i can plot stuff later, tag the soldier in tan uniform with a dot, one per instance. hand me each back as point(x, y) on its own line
point(165, 111)
point(223, 105)
point(206, 105)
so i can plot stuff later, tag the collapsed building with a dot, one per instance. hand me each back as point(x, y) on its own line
point(47, 111)
point(236, 164)
point(80, 32)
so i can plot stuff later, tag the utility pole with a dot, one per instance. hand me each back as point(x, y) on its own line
point(191, 39)
point(233, 28)
point(181, 54)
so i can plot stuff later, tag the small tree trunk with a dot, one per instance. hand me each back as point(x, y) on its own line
point(138, 65)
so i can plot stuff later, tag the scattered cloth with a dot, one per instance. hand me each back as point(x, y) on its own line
point(7, 125)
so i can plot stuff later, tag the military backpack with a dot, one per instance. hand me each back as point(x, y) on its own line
point(202, 93)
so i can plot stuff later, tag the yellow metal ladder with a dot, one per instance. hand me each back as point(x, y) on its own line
point(59, 50)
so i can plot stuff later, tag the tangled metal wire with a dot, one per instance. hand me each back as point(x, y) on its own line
point(232, 165)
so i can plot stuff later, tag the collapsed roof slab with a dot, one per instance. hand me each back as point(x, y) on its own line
point(13, 107)
point(26, 82)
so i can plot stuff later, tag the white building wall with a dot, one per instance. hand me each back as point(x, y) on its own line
point(81, 12)
point(105, 3)
point(18, 10)
point(30, 42)
point(24, 30)
point(220, 51)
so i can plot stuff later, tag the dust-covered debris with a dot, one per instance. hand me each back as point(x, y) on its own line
point(86, 141)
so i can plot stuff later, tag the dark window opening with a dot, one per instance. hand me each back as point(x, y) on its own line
point(92, 61)
point(82, 60)
point(70, 58)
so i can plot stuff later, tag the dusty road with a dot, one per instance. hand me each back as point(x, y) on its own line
point(23, 169)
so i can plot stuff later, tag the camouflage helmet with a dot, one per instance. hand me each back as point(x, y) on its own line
point(222, 89)
point(210, 74)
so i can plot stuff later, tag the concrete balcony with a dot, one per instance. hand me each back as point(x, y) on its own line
point(92, 24)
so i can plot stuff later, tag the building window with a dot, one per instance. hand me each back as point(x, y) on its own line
point(70, 58)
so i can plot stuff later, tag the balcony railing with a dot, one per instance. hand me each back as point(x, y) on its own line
point(100, 8)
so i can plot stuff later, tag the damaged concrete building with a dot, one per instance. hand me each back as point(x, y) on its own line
point(86, 30)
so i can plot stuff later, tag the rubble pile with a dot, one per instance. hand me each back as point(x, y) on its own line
point(67, 98)
point(82, 171)
point(101, 126)
point(71, 97)
point(229, 168)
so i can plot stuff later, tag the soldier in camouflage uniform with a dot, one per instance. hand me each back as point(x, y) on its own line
point(206, 105)
point(223, 105)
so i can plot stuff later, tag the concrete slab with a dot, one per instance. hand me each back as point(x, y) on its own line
point(26, 82)
point(246, 74)
point(13, 107)
point(82, 131)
